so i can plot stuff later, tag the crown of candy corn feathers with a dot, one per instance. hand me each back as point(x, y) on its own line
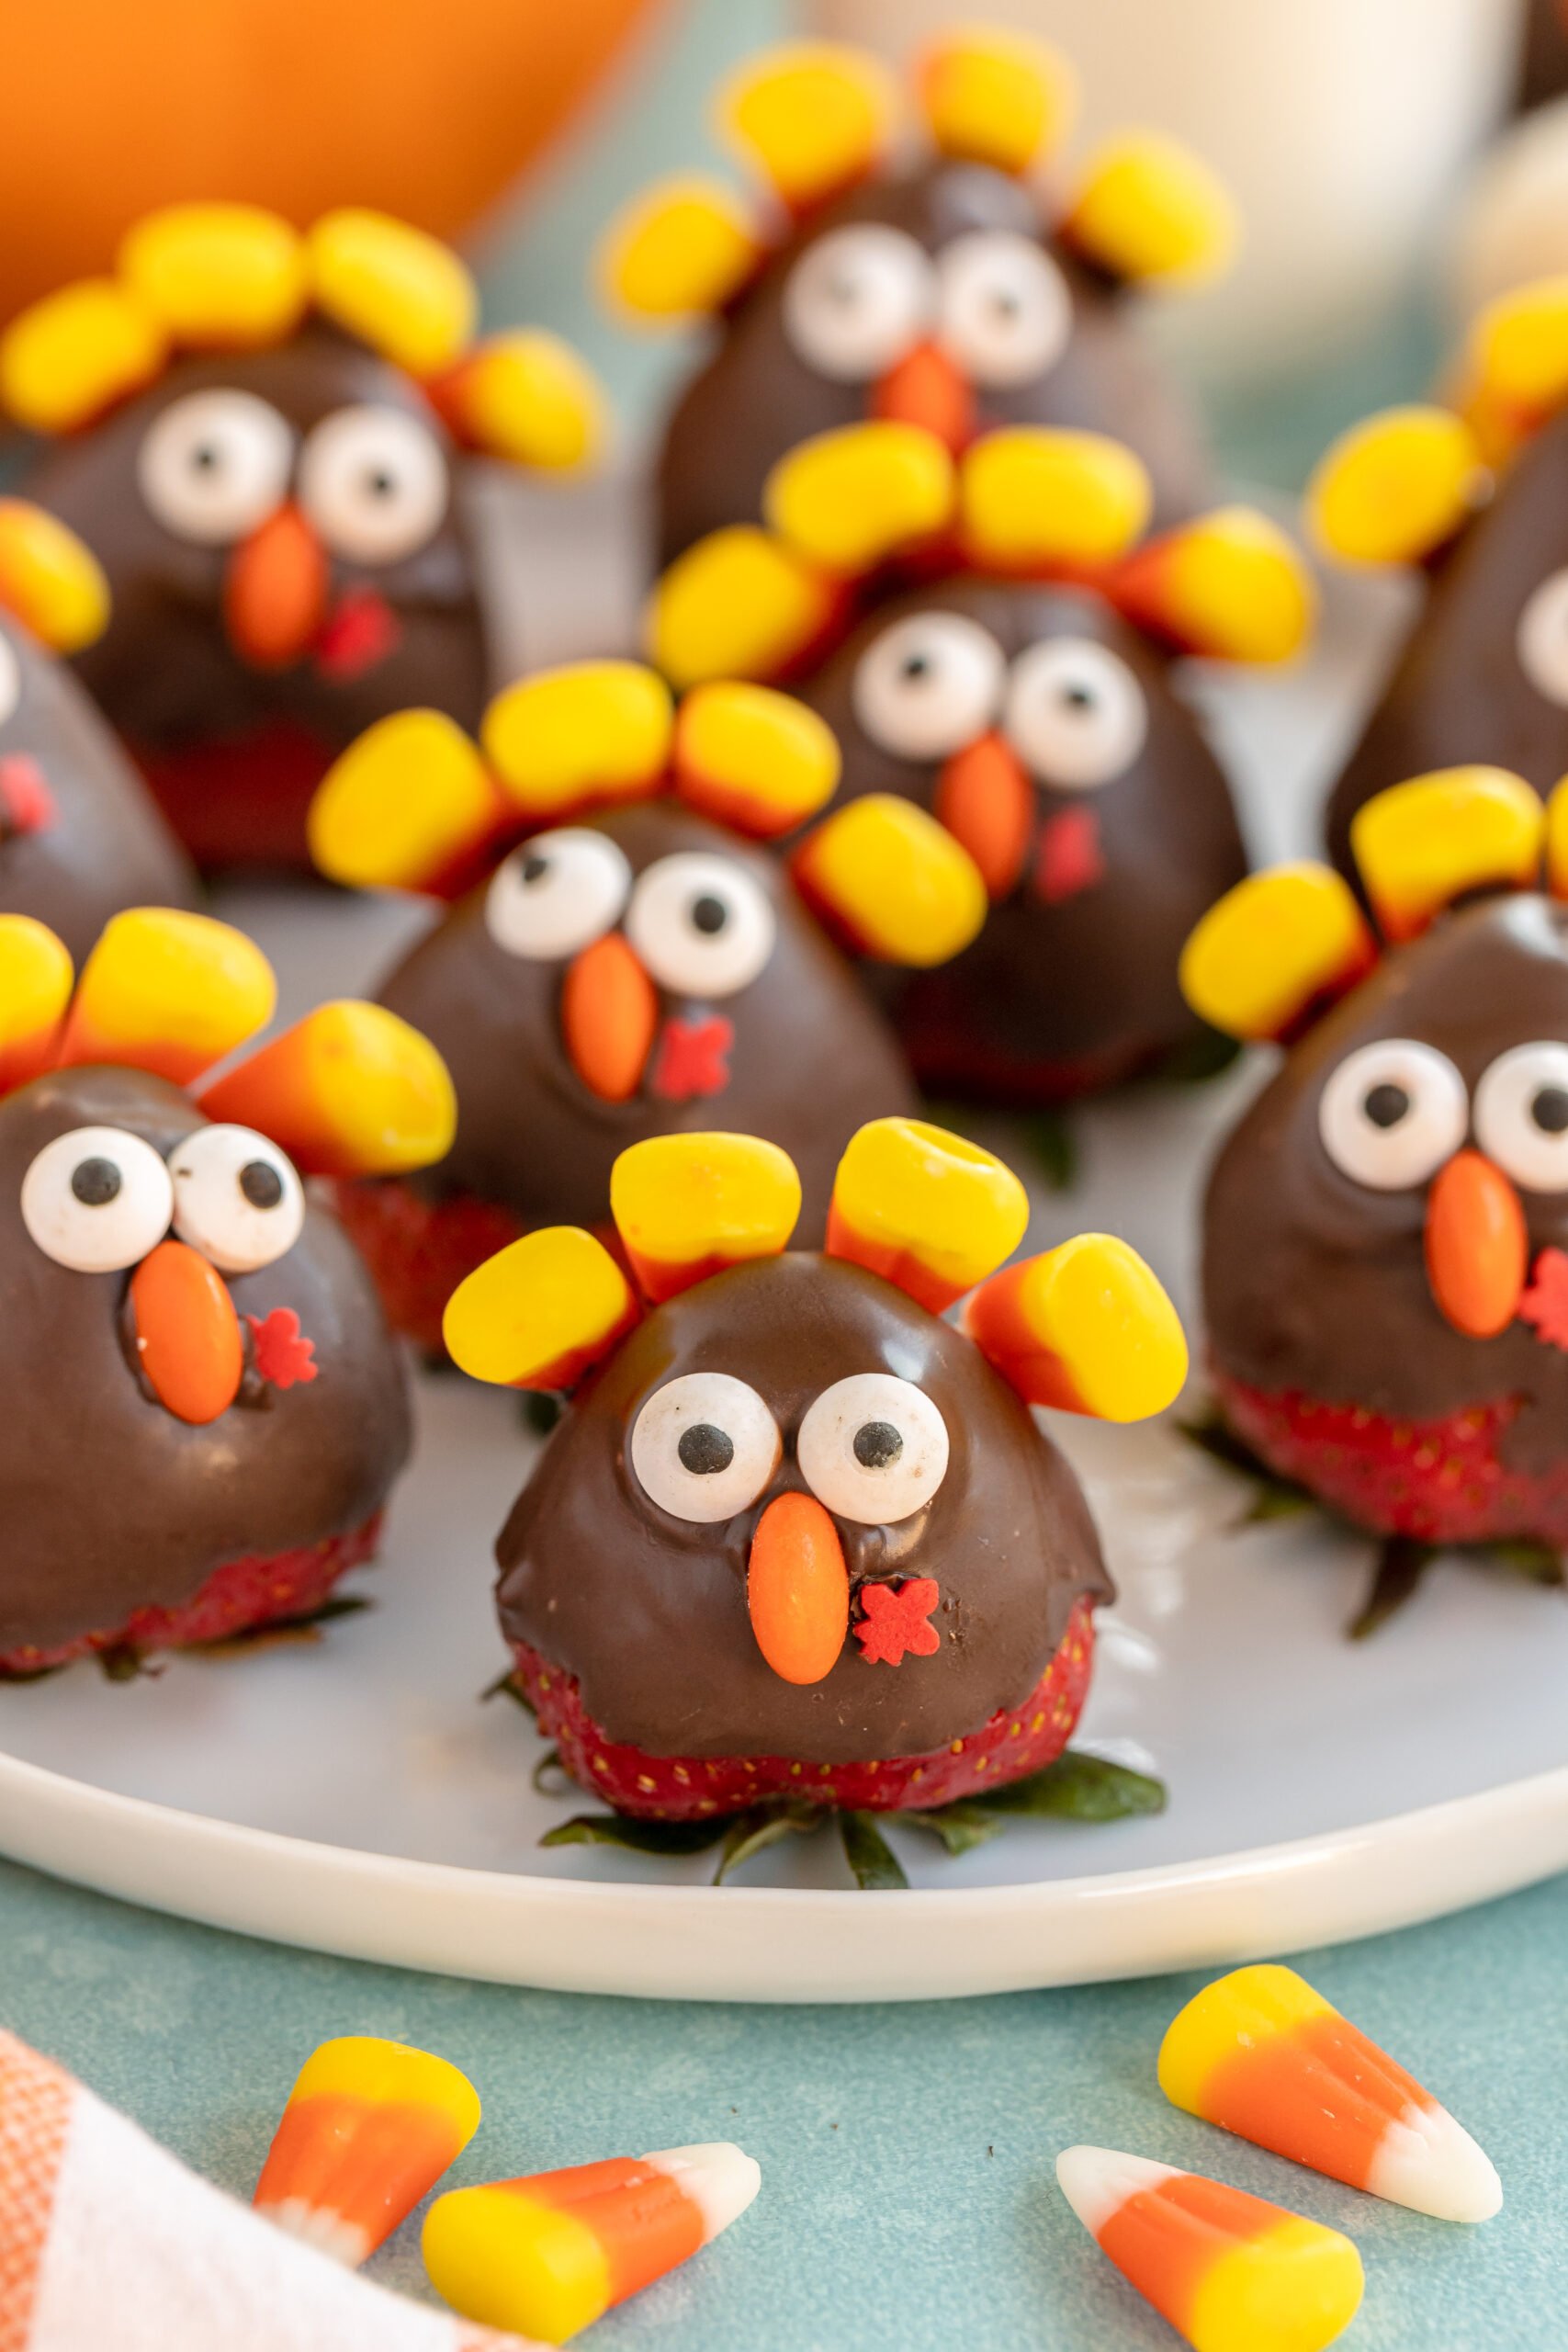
point(213, 277)
point(1026, 503)
point(348, 1091)
point(1085, 1326)
point(809, 121)
point(1272, 955)
point(415, 805)
point(1398, 486)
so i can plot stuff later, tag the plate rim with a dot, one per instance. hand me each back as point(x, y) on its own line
point(785, 1944)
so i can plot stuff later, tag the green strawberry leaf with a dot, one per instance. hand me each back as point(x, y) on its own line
point(1536, 1563)
point(1049, 1136)
point(753, 1833)
point(639, 1837)
point(1401, 1564)
point(1080, 1787)
point(961, 1826)
point(124, 1664)
point(506, 1686)
point(876, 1866)
point(550, 1777)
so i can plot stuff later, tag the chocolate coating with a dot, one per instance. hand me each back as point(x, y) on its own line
point(112, 1504)
point(811, 1059)
point(1458, 692)
point(234, 749)
point(1055, 998)
point(1313, 1282)
point(757, 396)
point(650, 1611)
point(102, 845)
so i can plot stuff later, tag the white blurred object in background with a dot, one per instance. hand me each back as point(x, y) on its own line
point(1341, 127)
point(1512, 222)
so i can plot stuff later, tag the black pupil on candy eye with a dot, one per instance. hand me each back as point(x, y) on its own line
point(1077, 697)
point(1004, 303)
point(709, 915)
point(705, 1450)
point(1386, 1105)
point(916, 665)
point(205, 458)
point(534, 868)
point(261, 1185)
point(876, 1445)
point(95, 1182)
point(1549, 1110)
point(380, 482)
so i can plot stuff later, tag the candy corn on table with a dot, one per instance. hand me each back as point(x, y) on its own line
point(908, 2199)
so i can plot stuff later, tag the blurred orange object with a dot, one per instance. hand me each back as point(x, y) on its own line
point(427, 108)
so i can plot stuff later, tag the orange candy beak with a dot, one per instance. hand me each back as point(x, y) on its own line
point(926, 389)
point(1477, 1245)
point(275, 594)
point(187, 1334)
point(609, 1013)
point(986, 802)
point(797, 1588)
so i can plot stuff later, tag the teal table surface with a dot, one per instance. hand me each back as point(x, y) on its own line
point(907, 2193)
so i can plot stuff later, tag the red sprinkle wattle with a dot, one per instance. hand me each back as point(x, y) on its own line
point(1438, 1482)
point(1017, 1741)
point(238, 1598)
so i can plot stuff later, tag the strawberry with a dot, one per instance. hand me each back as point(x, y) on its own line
point(1436, 1482)
point(238, 1598)
point(1019, 1740)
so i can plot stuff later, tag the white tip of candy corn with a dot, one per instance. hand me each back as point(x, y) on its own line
point(1096, 2182)
point(1429, 2163)
point(717, 2176)
point(315, 2226)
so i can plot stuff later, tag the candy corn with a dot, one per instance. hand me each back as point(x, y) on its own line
point(369, 2127)
point(404, 805)
point(526, 397)
point(590, 731)
point(1231, 2273)
point(398, 291)
point(1421, 846)
point(1274, 949)
point(753, 759)
point(994, 96)
point(547, 2255)
point(850, 498)
point(680, 249)
point(167, 992)
point(350, 1091)
point(1229, 585)
point(1032, 499)
point(1557, 840)
point(1148, 207)
point(52, 583)
point(737, 604)
point(541, 1312)
point(1086, 1327)
point(811, 117)
point(893, 881)
point(686, 1206)
point(225, 274)
point(35, 988)
point(72, 356)
point(924, 1209)
point(1263, 2055)
point(1395, 487)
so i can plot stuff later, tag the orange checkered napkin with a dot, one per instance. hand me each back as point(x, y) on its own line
point(108, 2244)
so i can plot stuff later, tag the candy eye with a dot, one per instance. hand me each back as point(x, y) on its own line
point(96, 1199)
point(1542, 638)
point(214, 465)
point(701, 924)
point(1005, 308)
point(10, 680)
point(374, 483)
point(873, 1448)
point(556, 894)
point(857, 301)
point(237, 1198)
point(704, 1446)
point(1521, 1115)
point(928, 685)
point(1075, 713)
point(1393, 1112)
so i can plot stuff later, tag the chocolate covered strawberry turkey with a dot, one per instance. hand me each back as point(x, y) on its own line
point(205, 1413)
point(799, 1542)
point(1386, 1232)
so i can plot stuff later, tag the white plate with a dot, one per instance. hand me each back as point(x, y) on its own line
point(357, 1797)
